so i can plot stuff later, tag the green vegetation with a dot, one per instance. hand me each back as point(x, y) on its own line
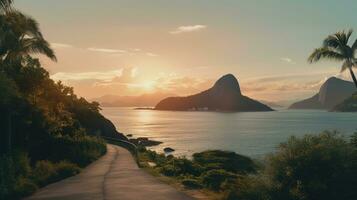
point(336, 47)
point(47, 132)
point(313, 167)
point(213, 170)
point(348, 105)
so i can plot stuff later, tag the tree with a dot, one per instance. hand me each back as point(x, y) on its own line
point(336, 47)
point(4, 5)
point(20, 36)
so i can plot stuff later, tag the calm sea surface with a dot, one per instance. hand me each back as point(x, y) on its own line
point(250, 133)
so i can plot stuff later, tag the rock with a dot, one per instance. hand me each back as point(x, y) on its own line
point(129, 135)
point(168, 150)
point(225, 95)
point(144, 141)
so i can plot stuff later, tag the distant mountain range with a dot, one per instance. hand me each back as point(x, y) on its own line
point(331, 93)
point(225, 95)
point(145, 100)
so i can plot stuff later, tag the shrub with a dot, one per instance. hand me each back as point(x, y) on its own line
point(14, 169)
point(252, 188)
point(213, 179)
point(24, 187)
point(167, 170)
point(191, 183)
point(7, 176)
point(315, 167)
point(44, 172)
point(226, 160)
point(80, 150)
point(66, 169)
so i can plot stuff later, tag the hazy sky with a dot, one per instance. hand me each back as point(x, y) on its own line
point(130, 47)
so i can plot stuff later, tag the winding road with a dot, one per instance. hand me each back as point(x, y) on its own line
point(114, 176)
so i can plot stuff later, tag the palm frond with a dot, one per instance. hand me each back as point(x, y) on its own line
point(22, 24)
point(354, 46)
point(325, 52)
point(38, 46)
point(5, 4)
point(344, 36)
point(338, 40)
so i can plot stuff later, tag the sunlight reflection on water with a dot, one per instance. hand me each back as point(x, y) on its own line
point(250, 133)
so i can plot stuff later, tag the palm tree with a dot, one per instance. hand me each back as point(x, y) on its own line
point(20, 36)
point(336, 47)
point(4, 4)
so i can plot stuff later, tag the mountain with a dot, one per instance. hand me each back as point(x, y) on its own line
point(225, 95)
point(331, 93)
point(348, 105)
point(272, 104)
point(131, 101)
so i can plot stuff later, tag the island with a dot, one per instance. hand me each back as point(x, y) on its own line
point(225, 95)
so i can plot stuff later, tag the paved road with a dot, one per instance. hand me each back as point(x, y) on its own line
point(114, 176)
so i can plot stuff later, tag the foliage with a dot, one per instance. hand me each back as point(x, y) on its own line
point(191, 183)
point(310, 168)
point(336, 47)
point(228, 161)
point(315, 167)
point(214, 179)
point(46, 130)
point(81, 150)
point(46, 172)
point(66, 169)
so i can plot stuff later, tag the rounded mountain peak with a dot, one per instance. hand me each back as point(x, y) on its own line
point(227, 82)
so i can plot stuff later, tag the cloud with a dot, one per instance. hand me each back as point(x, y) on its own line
point(101, 76)
point(60, 45)
point(151, 54)
point(134, 72)
point(102, 50)
point(288, 60)
point(187, 29)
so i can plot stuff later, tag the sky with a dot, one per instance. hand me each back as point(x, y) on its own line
point(132, 47)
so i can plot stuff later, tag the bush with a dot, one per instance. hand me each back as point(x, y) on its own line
point(229, 161)
point(315, 167)
point(213, 179)
point(191, 183)
point(24, 187)
point(252, 188)
point(14, 169)
point(7, 176)
point(44, 172)
point(80, 150)
point(66, 169)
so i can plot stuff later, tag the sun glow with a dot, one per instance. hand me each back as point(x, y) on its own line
point(147, 86)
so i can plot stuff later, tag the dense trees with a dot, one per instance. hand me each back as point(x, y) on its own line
point(42, 122)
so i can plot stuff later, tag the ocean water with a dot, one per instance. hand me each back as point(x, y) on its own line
point(249, 133)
